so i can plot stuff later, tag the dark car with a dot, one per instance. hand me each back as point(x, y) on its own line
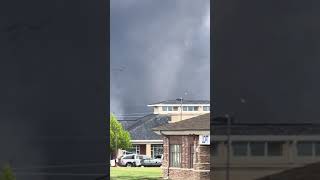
point(151, 162)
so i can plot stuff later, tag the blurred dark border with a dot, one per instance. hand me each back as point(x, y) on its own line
point(264, 79)
point(54, 76)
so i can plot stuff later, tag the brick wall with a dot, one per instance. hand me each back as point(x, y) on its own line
point(201, 161)
point(165, 162)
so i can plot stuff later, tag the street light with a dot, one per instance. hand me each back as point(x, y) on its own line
point(228, 117)
point(180, 99)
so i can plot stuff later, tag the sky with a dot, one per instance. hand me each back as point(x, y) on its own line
point(268, 54)
point(159, 50)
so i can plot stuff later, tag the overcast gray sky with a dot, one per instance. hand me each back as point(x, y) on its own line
point(160, 49)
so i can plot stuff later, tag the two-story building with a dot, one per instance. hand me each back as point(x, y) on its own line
point(181, 110)
point(147, 142)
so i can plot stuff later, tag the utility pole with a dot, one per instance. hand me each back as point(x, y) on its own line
point(180, 99)
point(181, 110)
point(228, 147)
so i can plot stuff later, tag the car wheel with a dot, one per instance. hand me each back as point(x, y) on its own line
point(129, 165)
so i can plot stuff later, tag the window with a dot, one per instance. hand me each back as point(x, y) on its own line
point(304, 148)
point(308, 148)
point(191, 155)
point(240, 148)
point(175, 155)
point(274, 148)
point(190, 108)
point(167, 108)
point(156, 149)
point(175, 108)
point(257, 148)
point(135, 149)
point(206, 108)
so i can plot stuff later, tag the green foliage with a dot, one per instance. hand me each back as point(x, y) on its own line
point(119, 137)
point(7, 173)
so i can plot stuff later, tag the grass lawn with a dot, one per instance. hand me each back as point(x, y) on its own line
point(135, 173)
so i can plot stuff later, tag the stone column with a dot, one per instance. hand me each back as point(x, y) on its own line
point(202, 164)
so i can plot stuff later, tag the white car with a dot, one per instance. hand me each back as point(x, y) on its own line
point(151, 162)
point(131, 160)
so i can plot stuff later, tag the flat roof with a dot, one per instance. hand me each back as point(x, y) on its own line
point(206, 102)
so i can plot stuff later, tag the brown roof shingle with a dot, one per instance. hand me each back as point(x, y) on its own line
point(201, 122)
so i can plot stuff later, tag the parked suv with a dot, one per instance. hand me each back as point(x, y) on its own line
point(131, 160)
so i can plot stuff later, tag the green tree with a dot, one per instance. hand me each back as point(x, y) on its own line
point(7, 173)
point(119, 137)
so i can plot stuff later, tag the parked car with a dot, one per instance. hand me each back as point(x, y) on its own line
point(131, 160)
point(159, 156)
point(151, 162)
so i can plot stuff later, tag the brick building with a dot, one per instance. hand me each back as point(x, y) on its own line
point(186, 148)
point(147, 142)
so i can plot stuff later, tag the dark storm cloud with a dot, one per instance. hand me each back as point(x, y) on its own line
point(267, 53)
point(164, 47)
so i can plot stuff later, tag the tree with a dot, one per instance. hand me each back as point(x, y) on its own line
point(7, 173)
point(119, 137)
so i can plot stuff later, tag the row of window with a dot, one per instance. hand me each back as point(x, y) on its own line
point(185, 108)
point(308, 148)
point(257, 148)
point(304, 148)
